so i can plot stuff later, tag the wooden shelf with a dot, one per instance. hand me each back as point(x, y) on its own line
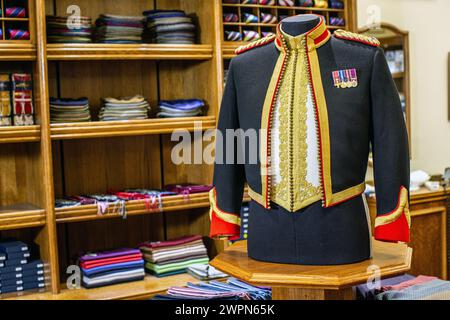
point(281, 7)
point(16, 134)
point(96, 129)
point(134, 207)
point(21, 216)
point(100, 51)
point(254, 24)
point(137, 290)
point(398, 75)
point(11, 50)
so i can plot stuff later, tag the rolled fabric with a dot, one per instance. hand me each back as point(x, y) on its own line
point(16, 12)
point(306, 3)
point(286, 3)
point(336, 4)
point(233, 36)
point(336, 21)
point(267, 33)
point(249, 18)
point(249, 1)
point(268, 18)
point(230, 17)
point(17, 34)
point(250, 35)
point(321, 4)
point(267, 2)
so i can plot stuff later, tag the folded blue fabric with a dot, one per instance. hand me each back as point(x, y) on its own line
point(69, 102)
point(98, 271)
point(182, 104)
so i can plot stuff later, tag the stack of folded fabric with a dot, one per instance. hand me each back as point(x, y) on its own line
point(164, 258)
point(205, 272)
point(180, 108)
point(233, 289)
point(406, 287)
point(68, 30)
point(69, 110)
point(16, 272)
point(169, 27)
point(119, 29)
point(131, 108)
point(111, 267)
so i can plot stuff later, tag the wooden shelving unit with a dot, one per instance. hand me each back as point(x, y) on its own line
point(138, 290)
point(129, 128)
point(134, 207)
point(20, 134)
point(21, 216)
point(99, 51)
point(47, 161)
point(348, 14)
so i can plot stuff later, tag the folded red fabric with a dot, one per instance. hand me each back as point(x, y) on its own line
point(104, 262)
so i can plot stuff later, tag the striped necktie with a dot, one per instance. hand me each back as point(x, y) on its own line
point(250, 35)
point(16, 34)
point(250, 18)
point(286, 3)
point(230, 17)
point(233, 36)
point(267, 2)
point(268, 18)
point(16, 12)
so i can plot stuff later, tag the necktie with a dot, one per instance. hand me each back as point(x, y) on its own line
point(16, 34)
point(230, 17)
point(336, 21)
point(321, 4)
point(336, 4)
point(286, 3)
point(250, 2)
point(268, 18)
point(250, 18)
point(250, 35)
point(267, 2)
point(306, 3)
point(233, 36)
point(16, 12)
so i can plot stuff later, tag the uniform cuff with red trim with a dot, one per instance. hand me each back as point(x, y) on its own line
point(395, 231)
point(221, 228)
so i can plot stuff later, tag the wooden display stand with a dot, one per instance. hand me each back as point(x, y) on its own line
point(299, 282)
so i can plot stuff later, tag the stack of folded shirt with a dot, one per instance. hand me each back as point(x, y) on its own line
point(132, 108)
point(119, 29)
point(164, 258)
point(16, 272)
point(169, 27)
point(69, 110)
point(180, 108)
point(233, 289)
point(69, 30)
point(111, 267)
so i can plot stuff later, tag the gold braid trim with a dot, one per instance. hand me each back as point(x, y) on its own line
point(225, 216)
point(347, 35)
point(402, 207)
point(255, 44)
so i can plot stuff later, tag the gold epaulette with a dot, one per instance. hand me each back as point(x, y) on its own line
point(347, 35)
point(255, 44)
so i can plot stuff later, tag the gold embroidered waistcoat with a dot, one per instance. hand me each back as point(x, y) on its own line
point(295, 181)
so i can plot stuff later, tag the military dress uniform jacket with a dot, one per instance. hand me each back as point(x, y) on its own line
point(356, 104)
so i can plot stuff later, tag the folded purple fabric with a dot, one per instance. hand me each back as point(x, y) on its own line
point(170, 243)
point(108, 254)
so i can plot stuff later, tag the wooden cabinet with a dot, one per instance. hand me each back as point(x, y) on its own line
point(46, 161)
point(428, 232)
